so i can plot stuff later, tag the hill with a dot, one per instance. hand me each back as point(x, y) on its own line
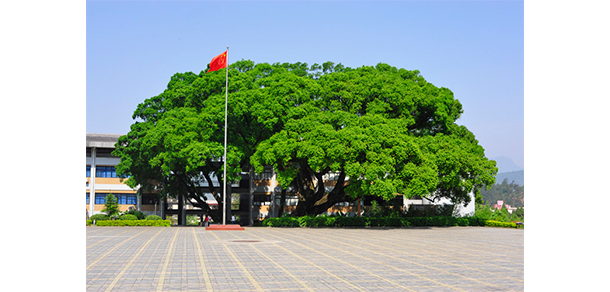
point(506, 164)
point(517, 176)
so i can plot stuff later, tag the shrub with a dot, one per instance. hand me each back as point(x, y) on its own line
point(134, 223)
point(432, 221)
point(476, 221)
point(192, 220)
point(128, 217)
point(352, 221)
point(153, 217)
point(493, 223)
point(376, 210)
point(322, 221)
point(99, 217)
point(386, 221)
point(501, 215)
point(111, 207)
point(482, 211)
point(462, 221)
point(281, 222)
point(329, 221)
point(140, 215)
point(305, 221)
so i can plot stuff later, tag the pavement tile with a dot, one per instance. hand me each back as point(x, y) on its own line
point(323, 259)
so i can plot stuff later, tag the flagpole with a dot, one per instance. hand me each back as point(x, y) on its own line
point(224, 185)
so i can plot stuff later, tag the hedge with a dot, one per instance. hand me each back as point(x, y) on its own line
point(128, 217)
point(326, 221)
point(132, 223)
point(282, 222)
point(153, 217)
point(492, 223)
point(99, 217)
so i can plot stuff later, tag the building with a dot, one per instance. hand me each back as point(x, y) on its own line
point(102, 179)
point(262, 201)
point(101, 175)
point(420, 203)
point(501, 204)
point(251, 199)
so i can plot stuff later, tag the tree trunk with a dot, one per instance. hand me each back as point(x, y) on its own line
point(180, 207)
point(282, 203)
point(312, 204)
point(217, 216)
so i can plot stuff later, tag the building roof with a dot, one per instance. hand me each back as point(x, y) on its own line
point(102, 140)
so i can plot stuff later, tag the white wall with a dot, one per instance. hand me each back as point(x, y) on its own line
point(461, 210)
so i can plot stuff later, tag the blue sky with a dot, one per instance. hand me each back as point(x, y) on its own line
point(474, 48)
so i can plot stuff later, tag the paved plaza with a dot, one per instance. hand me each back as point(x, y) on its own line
point(304, 259)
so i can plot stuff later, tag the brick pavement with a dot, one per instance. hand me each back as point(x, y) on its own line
point(304, 259)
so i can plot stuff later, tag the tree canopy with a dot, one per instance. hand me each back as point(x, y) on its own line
point(378, 131)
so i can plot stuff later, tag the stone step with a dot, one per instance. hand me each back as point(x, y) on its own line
point(224, 227)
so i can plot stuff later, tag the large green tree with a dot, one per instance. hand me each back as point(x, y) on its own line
point(375, 130)
point(379, 131)
point(176, 143)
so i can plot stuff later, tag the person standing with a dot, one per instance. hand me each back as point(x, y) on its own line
point(232, 219)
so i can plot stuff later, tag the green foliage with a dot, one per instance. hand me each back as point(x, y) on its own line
point(445, 221)
point(386, 221)
point(427, 211)
point(375, 209)
point(485, 212)
point(281, 222)
point(501, 215)
point(111, 207)
point(493, 223)
point(518, 215)
point(446, 210)
point(153, 217)
point(192, 220)
point(352, 221)
point(134, 223)
point(511, 193)
point(138, 214)
point(461, 163)
point(308, 221)
point(128, 217)
point(386, 129)
point(99, 217)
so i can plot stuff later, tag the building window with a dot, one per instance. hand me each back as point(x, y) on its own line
point(260, 199)
point(267, 175)
point(87, 197)
point(88, 170)
point(100, 199)
point(291, 200)
point(122, 199)
point(126, 199)
point(105, 171)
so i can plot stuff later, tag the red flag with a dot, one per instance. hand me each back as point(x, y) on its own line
point(218, 62)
